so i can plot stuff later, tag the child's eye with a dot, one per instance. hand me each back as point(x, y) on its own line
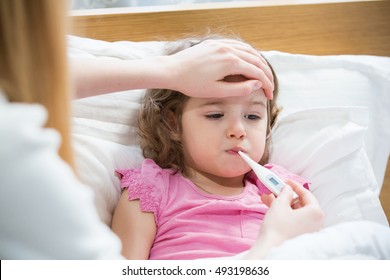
point(214, 116)
point(252, 117)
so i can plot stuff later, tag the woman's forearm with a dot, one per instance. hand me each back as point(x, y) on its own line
point(198, 71)
point(94, 76)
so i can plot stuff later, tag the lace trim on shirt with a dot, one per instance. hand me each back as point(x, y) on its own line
point(138, 188)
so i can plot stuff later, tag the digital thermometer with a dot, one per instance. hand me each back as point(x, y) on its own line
point(266, 176)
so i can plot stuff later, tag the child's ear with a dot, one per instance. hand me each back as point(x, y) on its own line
point(173, 123)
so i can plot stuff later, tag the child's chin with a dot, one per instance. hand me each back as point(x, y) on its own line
point(235, 173)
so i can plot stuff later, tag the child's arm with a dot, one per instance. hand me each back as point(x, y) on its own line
point(135, 228)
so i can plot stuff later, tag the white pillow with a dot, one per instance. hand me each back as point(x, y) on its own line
point(330, 146)
point(345, 80)
point(325, 145)
point(105, 139)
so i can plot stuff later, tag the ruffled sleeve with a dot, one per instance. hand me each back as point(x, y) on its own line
point(283, 173)
point(146, 184)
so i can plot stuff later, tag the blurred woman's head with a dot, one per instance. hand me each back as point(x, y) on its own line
point(33, 61)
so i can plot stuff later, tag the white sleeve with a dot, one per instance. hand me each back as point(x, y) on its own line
point(46, 213)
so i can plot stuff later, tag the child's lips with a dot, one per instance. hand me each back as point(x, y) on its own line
point(235, 150)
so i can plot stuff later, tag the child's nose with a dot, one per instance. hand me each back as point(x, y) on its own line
point(236, 129)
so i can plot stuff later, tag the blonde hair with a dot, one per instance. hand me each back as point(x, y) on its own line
point(159, 122)
point(33, 61)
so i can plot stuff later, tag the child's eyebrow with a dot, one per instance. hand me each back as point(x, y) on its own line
point(211, 103)
point(256, 102)
point(221, 103)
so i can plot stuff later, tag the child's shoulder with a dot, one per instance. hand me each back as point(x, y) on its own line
point(148, 173)
point(149, 184)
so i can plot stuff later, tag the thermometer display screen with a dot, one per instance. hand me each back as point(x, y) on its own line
point(274, 181)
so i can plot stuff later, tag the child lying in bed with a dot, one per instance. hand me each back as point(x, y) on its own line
point(194, 197)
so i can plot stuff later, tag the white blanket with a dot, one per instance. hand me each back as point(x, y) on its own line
point(344, 241)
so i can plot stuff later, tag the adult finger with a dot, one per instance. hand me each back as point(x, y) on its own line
point(256, 59)
point(286, 195)
point(237, 44)
point(267, 199)
point(226, 89)
point(251, 72)
point(305, 196)
point(264, 75)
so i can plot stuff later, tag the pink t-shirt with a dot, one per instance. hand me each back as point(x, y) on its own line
point(193, 224)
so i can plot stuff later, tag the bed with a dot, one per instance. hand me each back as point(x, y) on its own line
point(332, 60)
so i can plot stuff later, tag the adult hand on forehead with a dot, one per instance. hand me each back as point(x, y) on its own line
point(200, 71)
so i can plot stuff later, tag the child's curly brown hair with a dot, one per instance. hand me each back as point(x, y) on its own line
point(159, 122)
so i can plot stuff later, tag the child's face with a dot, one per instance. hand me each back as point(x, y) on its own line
point(215, 129)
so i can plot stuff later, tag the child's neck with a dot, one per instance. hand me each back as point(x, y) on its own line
point(217, 185)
